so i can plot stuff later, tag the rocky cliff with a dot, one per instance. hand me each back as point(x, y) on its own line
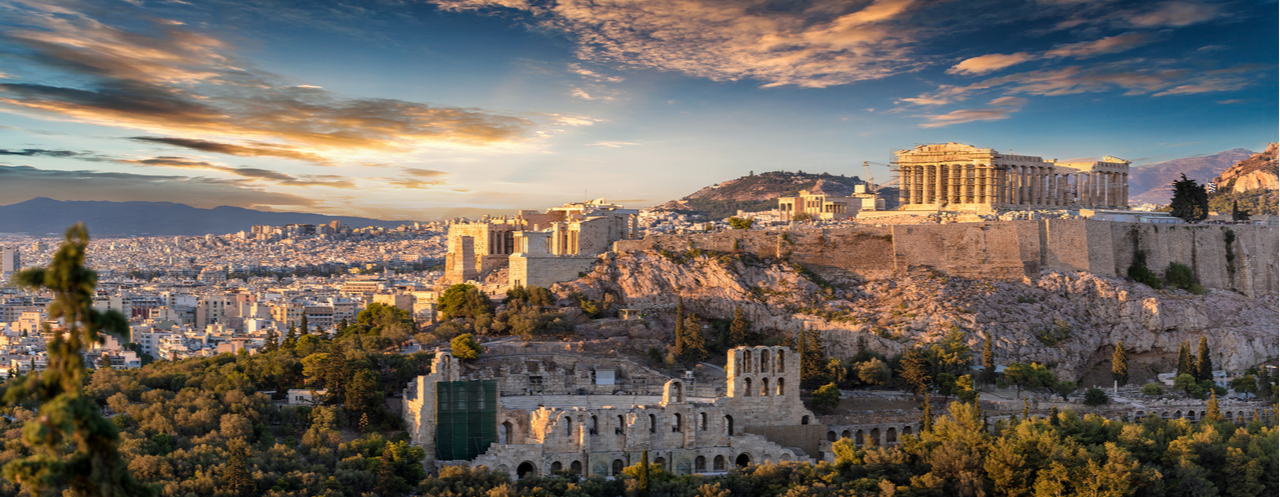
point(1259, 171)
point(1069, 321)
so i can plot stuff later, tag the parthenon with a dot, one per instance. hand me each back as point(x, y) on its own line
point(954, 176)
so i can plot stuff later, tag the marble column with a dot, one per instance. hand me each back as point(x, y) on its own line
point(940, 188)
point(1124, 193)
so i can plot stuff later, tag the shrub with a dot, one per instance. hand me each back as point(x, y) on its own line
point(738, 223)
point(1180, 276)
point(1152, 389)
point(1095, 397)
point(827, 397)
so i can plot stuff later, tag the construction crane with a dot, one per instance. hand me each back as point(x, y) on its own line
point(871, 186)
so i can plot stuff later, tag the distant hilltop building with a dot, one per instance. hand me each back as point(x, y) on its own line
point(538, 248)
point(954, 176)
point(817, 206)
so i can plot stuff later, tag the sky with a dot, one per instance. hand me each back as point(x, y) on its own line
point(420, 110)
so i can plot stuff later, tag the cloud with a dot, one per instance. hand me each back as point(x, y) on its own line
point(1175, 14)
point(252, 150)
point(249, 173)
point(1205, 86)
point(39, 152)
point(19, 183)
point(423, 173)
point(1009, 101)
point(966, 116)
point(811, 45)
point(988, 63)
point(1110, 44)
point(170, 80)
point(608, 144)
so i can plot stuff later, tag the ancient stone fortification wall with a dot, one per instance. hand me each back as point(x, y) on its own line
point(547, 271)
point(1008, 249)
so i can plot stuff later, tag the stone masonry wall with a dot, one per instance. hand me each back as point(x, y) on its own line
point(1007, 249)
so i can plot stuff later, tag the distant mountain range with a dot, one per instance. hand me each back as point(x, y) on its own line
point(1153, 184)
point(40, 216)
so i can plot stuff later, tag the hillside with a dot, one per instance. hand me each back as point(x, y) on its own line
point(758, 192)
point(42, 215)
point(1151, 184)
point(1251, 185)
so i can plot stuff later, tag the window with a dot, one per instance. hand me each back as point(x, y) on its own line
point(679, 426)
point(780, 389)
point(622, 424)
point(746, 383)
point(653, 424)
point(764, 387)
point(702, 422)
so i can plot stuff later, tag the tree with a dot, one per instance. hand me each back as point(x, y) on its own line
point(1095, 397)
point(926, 417)
point(465, 346)
point(1212, 412)
point(874, 372)
point(1190, 200)
point(812, 357)
point(273, 341)
point(291, 338)
point(827, 397)
point(1237, 214)
point(1020, 374)
point(94, 466)
point(738, 223)
point(1204, 365)
point(1186, 383)
point(988, 361)
point(464, 301)
point(1064, 388)
point(104, 361)
point(642, 481)
point(695, 343)
point(304, 328)
point(1152, 389)
point(914, 370)
point(738, 328)
point(1120, 365)
point(1184, 359)
point(235, 473)
point(678, 333)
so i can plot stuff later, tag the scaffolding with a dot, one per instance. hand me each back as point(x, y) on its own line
point(466, 417)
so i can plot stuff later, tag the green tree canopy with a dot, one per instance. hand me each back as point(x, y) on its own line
point(464, 301)
point(1190, 200)
point(465, 346)
point(1120, 365)
point(827, 397)
point(738, 223)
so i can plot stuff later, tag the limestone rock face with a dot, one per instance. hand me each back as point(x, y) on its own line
point(1063, 320)
point(1256, 172)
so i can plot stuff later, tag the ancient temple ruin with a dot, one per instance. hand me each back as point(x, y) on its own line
point(954, 176)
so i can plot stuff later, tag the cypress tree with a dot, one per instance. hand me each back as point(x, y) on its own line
point(695, 344)
point(988, 361)
point(1120, 364)
point(679, 331)
point(914, 369)
point(291, 337)
point(1184, 359)
point(738, 328)
point(69, 419)
point(1204, 366)
point(926, 419)
point(1026, 409)
point(1053, 416)
point(642, 481)
point(304, 327)
point(272, 341)
point(1213, 413)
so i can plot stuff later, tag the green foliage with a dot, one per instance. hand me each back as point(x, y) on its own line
point(1030, 376)
point(1139, 272)
point(738, 329)
point(1187, 384)
point(1152, 389)
point(1052, 336)
point(988, 360)
point(72, 448)
point(1259, 201)
point(874, 372)
point(381, 320)
point(826, 398)
point(720, 209)
point(465, 346)
point(1212, 412)
point(1185, 364)
point(1204, 364)
point(1095, 397)
point(915, 371)
point(1064, 388)
point(534, 296)
point(464, 301)
point(1182, 277)
point(738, 223)
point(1190, 200)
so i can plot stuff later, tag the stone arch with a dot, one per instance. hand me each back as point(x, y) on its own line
point(653, 424)
point(617, 467)
point(576, 467)
point(845, 434)
point(906, 430)
point(1165, 415)
point(743, 460)
point(527, 468)
point(875, 437)
point(764, 361)
point(702, 421)
point(831, 436)
point(679, 424)
point(661, 462)
point(1177, 414)
point(556, 466)
point(1202, 414)
point(673, 392)
point(1240, 417)
point(728, 424)
point(504, 434)
point(784, 458)
point(891, 436)
point(746, 386)
point(858, 438)
point(700, 464)
point(804, 420)
point(782, 386)
point(717, 464)
point(767, 459)
point(764, 387)
point(782, 361)
point(1191, 415)
point(622, 426)
point(746, 361)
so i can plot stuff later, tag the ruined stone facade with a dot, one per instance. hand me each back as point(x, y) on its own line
point(808, 205)
point(953, 176)
point(538, 248)
point(601, 434)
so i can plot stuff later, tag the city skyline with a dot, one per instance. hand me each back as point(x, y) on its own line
point(447, 108)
